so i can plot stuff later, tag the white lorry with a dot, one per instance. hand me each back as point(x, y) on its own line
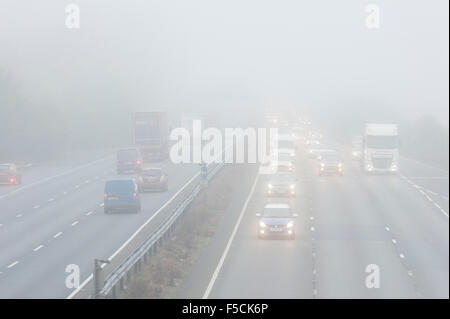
point(380, 148)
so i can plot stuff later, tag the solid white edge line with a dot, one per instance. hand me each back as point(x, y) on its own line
point(230, 240)
point(91, 276)
point(13, 264)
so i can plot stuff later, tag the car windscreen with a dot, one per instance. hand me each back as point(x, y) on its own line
point(4, 167)
point(380, 142)
point(331, 158)
point(119, 187)
point(283, 178)
point(152, 172)
point(279, 212)
point(127, 155)
point(284, 157)
point(285, 144)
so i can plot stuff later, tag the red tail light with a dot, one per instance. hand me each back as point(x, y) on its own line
point(105, 195)
point(141, 179)
point(138, 162)
point(134, 196)
point(12, 180)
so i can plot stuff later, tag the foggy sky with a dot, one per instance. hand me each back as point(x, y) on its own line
point(230, 56)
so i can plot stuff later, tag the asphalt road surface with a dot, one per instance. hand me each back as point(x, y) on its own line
point(56, 219)
point(345, 226)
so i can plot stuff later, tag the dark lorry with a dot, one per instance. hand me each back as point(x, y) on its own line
point(151, 135)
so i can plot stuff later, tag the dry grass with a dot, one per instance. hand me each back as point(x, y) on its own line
point(164, 271)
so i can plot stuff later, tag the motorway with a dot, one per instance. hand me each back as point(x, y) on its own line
point(398, 223)
point(56, 218)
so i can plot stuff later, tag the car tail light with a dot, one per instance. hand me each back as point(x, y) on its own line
point(12, 180)
point(105, 195)
point(141, 179)
point(138, 162)
point(134, 196)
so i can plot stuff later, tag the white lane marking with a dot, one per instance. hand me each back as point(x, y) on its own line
point(77, 186)
point(57, 235)
point(313, 229)
point(51, 200)
point(387, 228)
point(87, 181)
point(394, 241)
point(402, 256)
point(38, 247)
point(230, 240)
point(102, 204)
point(312, 217)
point(410, 273)
point(431, 200)
point(13, 264)
point(19, 215)
point(36, 206)
point(91, 276)
point(85, 282)
point(74, 223)
point(432, 193)
point(52, 177)
point(89, 213)
point(64, 193)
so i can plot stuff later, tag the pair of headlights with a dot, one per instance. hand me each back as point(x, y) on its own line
point(270, 186)
point(288, 225)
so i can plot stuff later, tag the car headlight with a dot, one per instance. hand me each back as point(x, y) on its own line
point(290, 224)
point(262, 224)
point(292, 154)
point(292, 186)
point(269, 186)
point(322, 165)
point(340, 165)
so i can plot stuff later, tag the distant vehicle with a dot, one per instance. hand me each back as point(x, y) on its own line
point(380, 148)
point(269, 167)
point(153, 179)
point(357, 144)
point(10, 174)
point(151, 135)
point(276, 219)
point(330, 163)
point(283, 164)
point(315, 153)
point(121, 195)
point(281, 184)
point(129, 160)
point(286, 145)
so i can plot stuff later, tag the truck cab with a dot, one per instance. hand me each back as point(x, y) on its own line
point(380, 148)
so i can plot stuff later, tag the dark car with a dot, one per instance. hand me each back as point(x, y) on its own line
point(121, 195)
point(330, 163)
point(10, 174)
point(153, 179)
point(129, 160)
point(276, 220)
